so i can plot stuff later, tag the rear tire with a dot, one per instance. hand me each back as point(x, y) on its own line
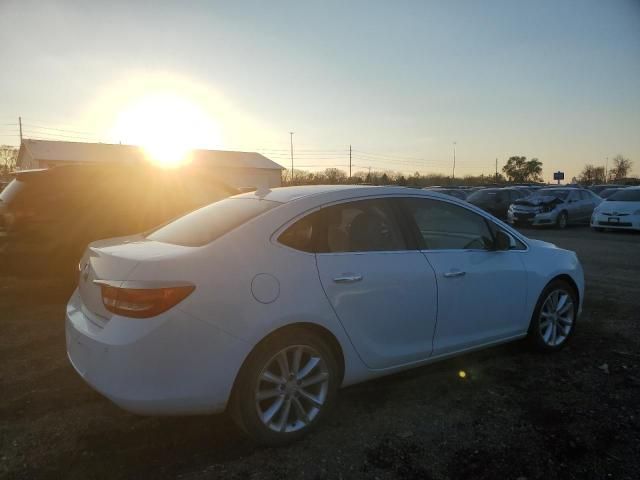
point(554, 318)
point(286, 387)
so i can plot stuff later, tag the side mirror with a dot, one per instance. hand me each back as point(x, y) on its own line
point(503, 241)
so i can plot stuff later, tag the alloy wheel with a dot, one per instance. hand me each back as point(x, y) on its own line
point(557, 317)
point(292, 389)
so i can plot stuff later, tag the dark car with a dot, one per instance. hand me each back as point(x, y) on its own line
point(453, 192)
point(607, 192)
point(496, 201)
point(57, 212)
point(599, 188)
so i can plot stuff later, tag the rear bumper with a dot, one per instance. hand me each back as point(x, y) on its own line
point(169, 364)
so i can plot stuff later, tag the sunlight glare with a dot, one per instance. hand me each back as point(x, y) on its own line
point(167, 126)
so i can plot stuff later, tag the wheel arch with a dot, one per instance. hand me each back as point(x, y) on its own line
point(320, 330)
point(567, 278)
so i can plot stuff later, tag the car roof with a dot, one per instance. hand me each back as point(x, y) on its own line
point(322, 193)
point(288, 194)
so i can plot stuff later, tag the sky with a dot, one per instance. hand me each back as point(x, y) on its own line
point(398, 81)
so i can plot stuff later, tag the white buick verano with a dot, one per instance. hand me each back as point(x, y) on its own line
point(266, 303)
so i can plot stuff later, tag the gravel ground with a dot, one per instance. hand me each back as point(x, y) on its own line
point(574, 414)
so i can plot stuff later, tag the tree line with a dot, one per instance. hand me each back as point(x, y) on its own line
point(517, 170)
point(620, 169)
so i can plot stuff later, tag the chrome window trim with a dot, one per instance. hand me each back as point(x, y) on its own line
point(461, 203)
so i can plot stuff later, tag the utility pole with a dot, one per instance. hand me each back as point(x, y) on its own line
point(349, 161)
point(453, 173)
point(496, 170)
point(20, 125)
point(606, 171)
point(291, 137)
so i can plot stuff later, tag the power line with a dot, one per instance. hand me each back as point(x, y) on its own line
point(63, 130)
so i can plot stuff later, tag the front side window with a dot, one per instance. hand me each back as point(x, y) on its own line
point(445, 226)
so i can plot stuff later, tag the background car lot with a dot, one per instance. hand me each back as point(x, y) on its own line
point(570, 415)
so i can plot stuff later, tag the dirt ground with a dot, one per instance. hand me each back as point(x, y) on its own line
point(574, 414)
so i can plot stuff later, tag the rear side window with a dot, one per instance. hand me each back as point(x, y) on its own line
point(360, 226)
point(301, 235)
point(208, 223)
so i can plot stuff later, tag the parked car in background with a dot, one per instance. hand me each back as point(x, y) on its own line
point(458, 193)
point(554, 206)
point(524, 189)
point(599, 188)
point(621, 211)
point(496, 201)
point(607, 192)
point(266, 303)
point(57, 212)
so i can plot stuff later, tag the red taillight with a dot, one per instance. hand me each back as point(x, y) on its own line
point(143, 302)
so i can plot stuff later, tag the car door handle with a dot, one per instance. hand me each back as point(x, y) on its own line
point(348, 278)
point(454, 273)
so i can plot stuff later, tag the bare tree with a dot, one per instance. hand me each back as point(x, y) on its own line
point(8, 159)
point(591, 175)
point(621, 168)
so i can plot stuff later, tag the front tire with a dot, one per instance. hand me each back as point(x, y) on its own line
point(285, 387)
point(554, 317)
point(562, 221)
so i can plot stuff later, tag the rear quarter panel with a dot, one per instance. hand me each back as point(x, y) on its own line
point(224, 272)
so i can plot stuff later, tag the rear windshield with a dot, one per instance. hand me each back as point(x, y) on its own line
point(11, 190)
point(626, 195)
point(208, 223)
point(553, 192)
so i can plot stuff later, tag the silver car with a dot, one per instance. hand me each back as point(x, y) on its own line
point(554, 206)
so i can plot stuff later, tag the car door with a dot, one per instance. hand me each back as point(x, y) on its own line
point(382, 289)
point(574, 206)
point(589, 203)
point(481, 292)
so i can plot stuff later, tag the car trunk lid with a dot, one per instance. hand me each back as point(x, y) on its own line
point(113, 260)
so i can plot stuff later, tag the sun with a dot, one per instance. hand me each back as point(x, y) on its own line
point(167, 126)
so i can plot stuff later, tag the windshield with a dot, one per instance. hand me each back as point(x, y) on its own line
point(552, 192)
point(626, 195)
point(608, 192)
point(204, 225)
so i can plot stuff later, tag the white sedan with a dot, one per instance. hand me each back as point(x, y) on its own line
point(266, 303)
point(620, 211)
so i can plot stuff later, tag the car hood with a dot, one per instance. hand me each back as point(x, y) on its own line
point(618, 207)
point(536, 201)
